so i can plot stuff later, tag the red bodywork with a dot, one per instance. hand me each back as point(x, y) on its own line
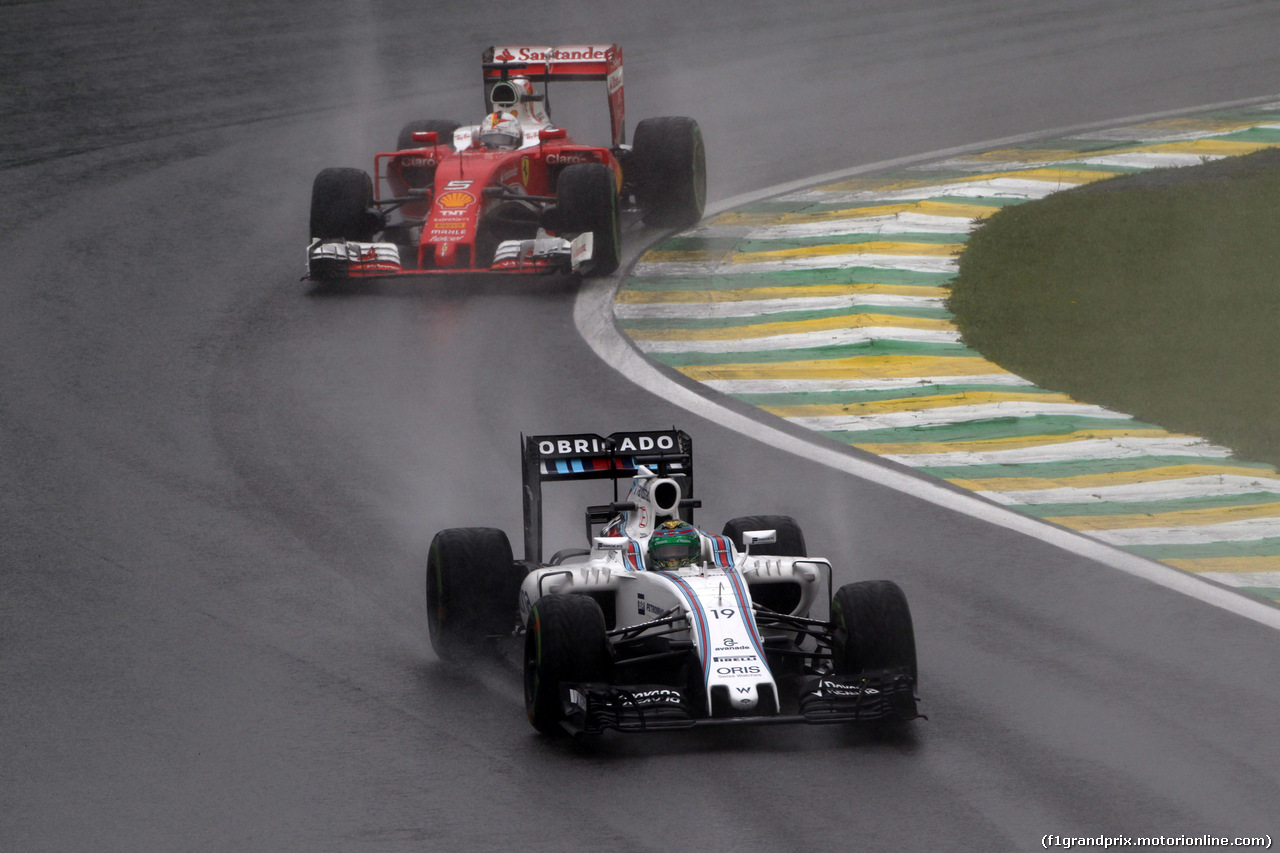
point(452, 191)
point(452, 186)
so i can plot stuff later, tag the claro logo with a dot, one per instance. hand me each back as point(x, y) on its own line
point(569, 159)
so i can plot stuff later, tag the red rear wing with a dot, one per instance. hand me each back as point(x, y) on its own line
point(568, 62)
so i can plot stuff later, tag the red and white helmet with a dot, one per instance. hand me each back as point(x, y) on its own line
point(501, 130)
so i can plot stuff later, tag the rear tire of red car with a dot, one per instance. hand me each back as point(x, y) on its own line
point(443, 129)
point(587, 200)
point(873, 630)
point(342, 205)
point(564, 642)
point(790, 539)
point(403, 177)
point(473, 590)
point(671, 171)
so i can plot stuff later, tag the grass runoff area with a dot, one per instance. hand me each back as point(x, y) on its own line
point(1156, 294)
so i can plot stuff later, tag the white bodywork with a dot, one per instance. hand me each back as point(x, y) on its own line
point(468, 136)
point(713, 595)
point(544, 248)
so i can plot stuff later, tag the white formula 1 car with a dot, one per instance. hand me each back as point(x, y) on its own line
point(658, 625)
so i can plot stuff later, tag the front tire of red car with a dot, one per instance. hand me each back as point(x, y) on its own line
point(342, 205)
point(587, 200)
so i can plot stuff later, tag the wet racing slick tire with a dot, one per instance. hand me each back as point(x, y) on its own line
point(782, 598)
point(342, 205)
point(564, 642)
point(443, 129)
point(873, 630)
point(671, 160)
point(473, 590)
point(790, 542)
point(587, 199)
point(416, 173)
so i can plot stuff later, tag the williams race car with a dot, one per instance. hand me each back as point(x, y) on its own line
point(659, 625)
point(514, 193)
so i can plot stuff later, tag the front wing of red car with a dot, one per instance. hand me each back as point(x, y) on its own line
point(329, 260)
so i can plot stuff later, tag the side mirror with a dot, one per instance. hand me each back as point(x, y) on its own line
point(758, 537)
point(425, 137)
point(549, 133)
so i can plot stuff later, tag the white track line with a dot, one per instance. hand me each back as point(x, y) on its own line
point(593, 315)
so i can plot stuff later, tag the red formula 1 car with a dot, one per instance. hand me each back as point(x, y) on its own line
point(511, 194)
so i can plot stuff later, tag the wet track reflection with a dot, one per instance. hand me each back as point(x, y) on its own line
point(220, 485)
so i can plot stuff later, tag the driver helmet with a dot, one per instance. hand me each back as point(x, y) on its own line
point(674, 545)
point(501, 130)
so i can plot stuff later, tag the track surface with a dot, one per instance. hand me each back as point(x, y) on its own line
point(219, 488)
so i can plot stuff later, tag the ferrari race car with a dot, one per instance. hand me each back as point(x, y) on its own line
point(514, 193)
point(658, 625)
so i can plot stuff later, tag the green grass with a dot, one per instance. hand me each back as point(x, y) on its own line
point(1155, 294)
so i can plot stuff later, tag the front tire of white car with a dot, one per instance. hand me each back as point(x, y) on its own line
point(873, 630)
point(565, 641)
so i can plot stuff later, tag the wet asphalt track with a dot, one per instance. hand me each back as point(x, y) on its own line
point(218, 487)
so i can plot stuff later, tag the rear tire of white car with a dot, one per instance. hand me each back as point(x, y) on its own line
point(873, 630)
point(472, 590)
point(587, 200)
point(342, 205)
point(564, 642)
point(790, 541)
point(670, 163)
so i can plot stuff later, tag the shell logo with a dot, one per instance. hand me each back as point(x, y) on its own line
point(456, 199)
